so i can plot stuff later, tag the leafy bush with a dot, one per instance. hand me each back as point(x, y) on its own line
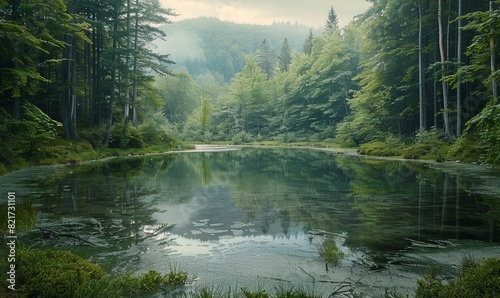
point(428, 144)
point(473, 280)
point(155, 135)
point(53, 273)
point(20, 137)
point(33, 114)
point(429, 136)
point(482, 136)
point(134, 138)
point(57, 273)
point(424, 151)
point(242, 137)
point(93, 135)
point(125, 137)
point(377, 148)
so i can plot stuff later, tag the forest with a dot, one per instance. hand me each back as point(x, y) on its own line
point(405, 78)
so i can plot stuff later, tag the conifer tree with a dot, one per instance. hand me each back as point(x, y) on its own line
point(285, 57)
point(266, 59)
point(332, 21)
point(307, 48)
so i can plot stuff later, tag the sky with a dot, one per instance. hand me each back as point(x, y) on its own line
point(308, 12)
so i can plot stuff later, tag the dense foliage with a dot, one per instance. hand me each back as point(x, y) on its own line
point(399, 70)
point(85, 64)
point(59, 273)
point(395, 72)
point(474, 280)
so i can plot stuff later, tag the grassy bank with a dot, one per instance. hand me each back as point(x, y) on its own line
point(59, 150)
point(430, 146)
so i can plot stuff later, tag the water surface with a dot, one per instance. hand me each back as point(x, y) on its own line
point(257, 216)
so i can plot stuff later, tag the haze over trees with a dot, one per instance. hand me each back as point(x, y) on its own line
point(92, 70)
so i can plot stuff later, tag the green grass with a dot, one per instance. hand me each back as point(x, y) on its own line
point(279, 291)
point(59, 273)
point(475, 279)
point(329, 252)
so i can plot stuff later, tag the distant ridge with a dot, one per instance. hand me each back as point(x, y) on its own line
point(207, 44)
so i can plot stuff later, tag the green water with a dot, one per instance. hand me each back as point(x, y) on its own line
point(258, 216)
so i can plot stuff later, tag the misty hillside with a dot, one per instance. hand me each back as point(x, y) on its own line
point(210, 45)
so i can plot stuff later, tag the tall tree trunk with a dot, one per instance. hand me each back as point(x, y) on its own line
point(459, 79)
point(127, 74)
point(100, 77)
point(73, 87)
point(68, 79)
point(68, 100)
point(446, 116)
point(68, 90)
point(420, 70)
point(435, 92)
point(493, 61)
point(109, 120)
point(136, 42)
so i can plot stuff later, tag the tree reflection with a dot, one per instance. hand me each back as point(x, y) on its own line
point(379, 205)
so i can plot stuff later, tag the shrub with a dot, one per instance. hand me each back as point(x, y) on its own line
point(429, 136)
point(473, 280)
point(53, 273)
point(417, 151)
point(93, 135)
point(134, 138)
point(57, 273)
point(483, 134)
point(155, 135)
point(125, 137)
point(426, 151)
point(242, 137)
point(377, 148)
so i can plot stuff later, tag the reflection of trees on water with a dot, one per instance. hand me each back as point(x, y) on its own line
point(105, 200)
point(406, 200)
point(379, 204)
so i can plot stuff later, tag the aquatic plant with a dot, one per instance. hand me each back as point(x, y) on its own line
point(329, 252)
point(280, 291)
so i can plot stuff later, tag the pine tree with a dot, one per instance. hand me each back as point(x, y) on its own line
point(307, 48)
point(266, 59)
point(285, 57)
point(332, 21)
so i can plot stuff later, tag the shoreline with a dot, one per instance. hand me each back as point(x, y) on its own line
point(352, 152)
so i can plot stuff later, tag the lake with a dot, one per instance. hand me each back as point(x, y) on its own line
point(255, 217)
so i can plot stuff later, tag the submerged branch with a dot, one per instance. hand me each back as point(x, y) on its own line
point(58, 235)
point(158, 231)
point(312, 277)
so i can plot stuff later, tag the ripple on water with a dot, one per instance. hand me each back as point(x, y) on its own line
point(213, 231)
